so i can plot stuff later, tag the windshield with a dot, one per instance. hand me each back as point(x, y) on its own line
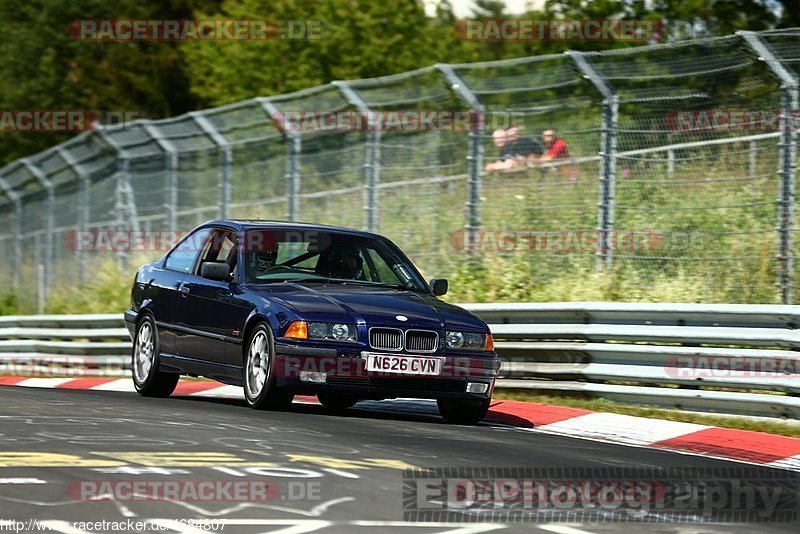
point(313, 256)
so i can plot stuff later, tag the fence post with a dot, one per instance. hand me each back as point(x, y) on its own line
point(475, 156)
point(125, 201)
point(226, 161)
point(670, 163)
point(608, 155)
point(294, 144)
point(16, 200)
point(372, 164)
point(171, 169)
point(293, 176)
point(47, 185)
point(787, 169)
point(84, 199)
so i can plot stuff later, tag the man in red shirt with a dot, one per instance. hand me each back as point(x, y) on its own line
point(556, 147)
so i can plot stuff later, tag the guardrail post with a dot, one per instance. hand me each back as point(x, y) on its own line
point(372, 163)
point(787, 169)
point(84, 199)
point(46, 271)
point(171, 170)
point(294, 143)
point(475, 155)
point(226, 161)
point(608, 150)
point(15, 199)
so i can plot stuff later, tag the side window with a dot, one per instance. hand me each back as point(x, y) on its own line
point(184, 256)
point(219, 247)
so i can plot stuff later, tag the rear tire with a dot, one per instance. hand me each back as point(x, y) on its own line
point(463, 412)
point(335, 402)
point(148, 379)
point(258, 376)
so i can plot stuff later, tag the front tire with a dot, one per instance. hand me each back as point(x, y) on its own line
point(258, 377)
point(461, 412)
point(148, 379)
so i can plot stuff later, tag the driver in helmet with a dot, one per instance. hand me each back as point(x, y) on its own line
point(345, 262)
point(262, 261)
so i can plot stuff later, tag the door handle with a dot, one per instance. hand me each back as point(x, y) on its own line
point(184, 290)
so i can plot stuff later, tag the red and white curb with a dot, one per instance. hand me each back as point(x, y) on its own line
point(730, 444)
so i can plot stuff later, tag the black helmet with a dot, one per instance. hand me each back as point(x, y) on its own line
point(263, 260)
point(345, 262)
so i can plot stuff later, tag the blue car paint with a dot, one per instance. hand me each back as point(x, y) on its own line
point(203, 332)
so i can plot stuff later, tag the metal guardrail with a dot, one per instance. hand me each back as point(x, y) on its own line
point(736, 359)
point(729, 358)
point(74, 345)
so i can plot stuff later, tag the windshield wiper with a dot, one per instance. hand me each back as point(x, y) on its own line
point(345, 281)
point(316, 279)
point(396, 286)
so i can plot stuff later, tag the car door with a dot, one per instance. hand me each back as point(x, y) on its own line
point(211, 312)
point(179, 262)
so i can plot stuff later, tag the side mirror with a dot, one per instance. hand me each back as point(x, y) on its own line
point(438, 286)
point(214, 270)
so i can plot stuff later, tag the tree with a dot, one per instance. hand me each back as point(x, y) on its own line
point(360, 39)
point(42, 68)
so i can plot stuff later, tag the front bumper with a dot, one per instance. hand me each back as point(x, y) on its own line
point(346, 374)
point(130, 322)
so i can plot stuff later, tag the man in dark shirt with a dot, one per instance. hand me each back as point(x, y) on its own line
point(515, 150)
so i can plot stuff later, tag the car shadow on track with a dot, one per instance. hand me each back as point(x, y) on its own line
point(396, 410)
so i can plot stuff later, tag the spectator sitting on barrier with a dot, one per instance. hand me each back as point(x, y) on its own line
point(515, 150)
point(556, 147)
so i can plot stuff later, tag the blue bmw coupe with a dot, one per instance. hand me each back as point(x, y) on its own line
point(283, 309)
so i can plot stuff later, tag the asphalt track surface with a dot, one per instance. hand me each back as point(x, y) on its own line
point(334, 472)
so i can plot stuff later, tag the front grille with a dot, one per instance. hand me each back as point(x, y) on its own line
point(421, 341)
point(420, 384)
point(360, 381)
point(448, 385)
point(386, 338)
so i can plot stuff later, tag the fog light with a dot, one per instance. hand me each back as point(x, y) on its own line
point(477, 387)
point(313, 376)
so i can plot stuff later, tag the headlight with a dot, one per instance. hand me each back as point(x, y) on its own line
point(334, 331)
point(465, 340)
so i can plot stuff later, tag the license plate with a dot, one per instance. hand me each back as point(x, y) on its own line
point(406, 365)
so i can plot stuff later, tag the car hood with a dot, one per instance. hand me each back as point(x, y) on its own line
point(376, 306)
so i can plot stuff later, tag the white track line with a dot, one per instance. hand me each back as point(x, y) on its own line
point(562, 529)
